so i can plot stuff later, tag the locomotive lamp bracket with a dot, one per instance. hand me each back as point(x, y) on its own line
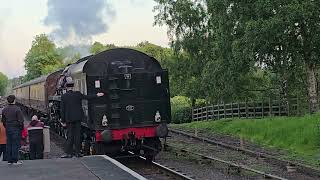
point(158, 79)
point(127, 76)
point(104, 121)
point(157, 117)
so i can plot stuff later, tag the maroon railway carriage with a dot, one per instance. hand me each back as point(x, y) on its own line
point(33, 95)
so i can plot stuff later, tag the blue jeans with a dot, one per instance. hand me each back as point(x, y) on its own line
point(3, 152)
point(13, 143)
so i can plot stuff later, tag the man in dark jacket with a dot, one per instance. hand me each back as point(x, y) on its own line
point(12, 118)
point(71, 116)
point(35, 133)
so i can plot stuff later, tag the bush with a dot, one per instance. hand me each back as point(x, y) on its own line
point(200, 103)
point(180, 109)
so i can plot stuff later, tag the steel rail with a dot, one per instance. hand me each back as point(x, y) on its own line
point(264, 174)
point(162, 167)
point(300, 167)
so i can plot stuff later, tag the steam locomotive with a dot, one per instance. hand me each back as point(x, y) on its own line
point(132, 116)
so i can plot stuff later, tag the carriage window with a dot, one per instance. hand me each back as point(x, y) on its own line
point(37, 95)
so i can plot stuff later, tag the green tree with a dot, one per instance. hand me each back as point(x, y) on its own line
point(231, 40)
point(158, 52)
point(43, 53)
point(3, 83)
point(205, 34)
point(73, 59)
point(181, 69)
point(285, 36)
point(98, 47)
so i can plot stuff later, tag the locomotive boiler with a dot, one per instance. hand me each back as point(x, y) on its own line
point(132, 116)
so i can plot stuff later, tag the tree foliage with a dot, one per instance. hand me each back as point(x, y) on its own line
point(98, 47)
point(3, 83)
point(41, 58)
point(284, 35)
point(244, 47)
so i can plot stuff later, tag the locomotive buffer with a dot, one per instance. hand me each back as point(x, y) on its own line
point(87, 168)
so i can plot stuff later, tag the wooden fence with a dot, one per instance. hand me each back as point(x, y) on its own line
point(247, 110)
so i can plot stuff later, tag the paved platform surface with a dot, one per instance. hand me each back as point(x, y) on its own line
point(86, 168)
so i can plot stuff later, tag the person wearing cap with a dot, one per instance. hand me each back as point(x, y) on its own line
point(12, 119)
point(35, 132)
point(71, 116)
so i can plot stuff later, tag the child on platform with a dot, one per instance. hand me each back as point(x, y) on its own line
point(35, 132)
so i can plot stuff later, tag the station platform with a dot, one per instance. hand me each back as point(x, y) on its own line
point(86, 168)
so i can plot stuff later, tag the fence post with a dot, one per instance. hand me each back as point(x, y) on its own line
point(270, 107)
point(218, 111)
point(239, 110)
point(280, 104)
point(224, 110)
point(207, 111)
point(254, 109)
point(192, 114)
point(246, 108)
point(232, 109)
point(262, 108)
point(213, 115)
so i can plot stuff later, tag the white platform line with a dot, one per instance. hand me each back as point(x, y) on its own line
point(117, 163)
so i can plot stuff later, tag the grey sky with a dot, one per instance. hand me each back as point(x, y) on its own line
point(20, 21)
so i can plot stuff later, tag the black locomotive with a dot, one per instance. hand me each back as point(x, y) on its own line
point(134, 113)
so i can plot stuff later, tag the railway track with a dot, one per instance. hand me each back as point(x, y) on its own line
point(229, 164)
point(289, 165)
point(153, 170)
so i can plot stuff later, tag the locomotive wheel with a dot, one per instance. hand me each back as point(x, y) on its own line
point(87, 149)
point(98, 149)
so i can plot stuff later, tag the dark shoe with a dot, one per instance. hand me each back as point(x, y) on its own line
point(66, 156)
point(79, 155)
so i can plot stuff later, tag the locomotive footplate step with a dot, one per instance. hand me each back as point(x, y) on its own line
point(86, 168)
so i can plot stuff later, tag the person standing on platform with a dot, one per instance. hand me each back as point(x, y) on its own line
point(12, 119)
point(35, 132)
point(3, 140)
point(71, 117)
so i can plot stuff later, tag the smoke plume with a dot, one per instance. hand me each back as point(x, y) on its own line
point(75, 20)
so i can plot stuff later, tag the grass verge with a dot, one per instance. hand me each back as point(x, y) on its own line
point(299, 136)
